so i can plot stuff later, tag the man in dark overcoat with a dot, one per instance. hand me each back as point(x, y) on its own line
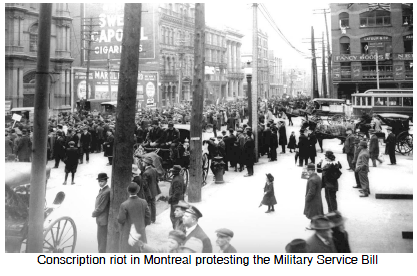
point(349, 148)
point(239, 148)
point(192, 229)
point(230, 149)
point(248, 154)
point(150, 175)
point(267, 140)
point(313, 203)
point(355, 159)
point(282, 140)
point(303, 148)
point(312, 152)
point(85, 141)
point(391, 141)
point(24, 147)
point(59, 148)
point(101, 211)
point(133, 211)
point(176, 191)
point(108, 147)
point(71, 162)
point(374, 147)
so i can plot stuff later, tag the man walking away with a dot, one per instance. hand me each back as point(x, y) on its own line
point(71, 162)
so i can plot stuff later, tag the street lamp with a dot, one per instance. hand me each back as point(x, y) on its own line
point(248, 73)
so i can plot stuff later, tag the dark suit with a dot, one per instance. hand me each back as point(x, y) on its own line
point(133, 211)
point(313, 202)
point(349, 149)
point(150, 175)
point(317, 246)
point(199, 234)
point(303, 149)
point(85, 141)
point(390, 141)
point(101, 213)
point(176, 193)
point(248, 154)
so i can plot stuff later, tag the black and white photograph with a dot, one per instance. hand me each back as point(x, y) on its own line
point(217, 127)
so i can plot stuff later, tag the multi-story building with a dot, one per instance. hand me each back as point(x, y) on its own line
point(275, 75)
point(362, 31)
point(21, 37)
point(235, 73)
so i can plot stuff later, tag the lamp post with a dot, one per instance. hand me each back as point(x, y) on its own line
point(248, 73)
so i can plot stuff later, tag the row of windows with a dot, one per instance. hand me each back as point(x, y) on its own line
point(181, 9)
point(377, 18)
point(382, 101)
point(386, 46)
point(215, 56)
point(170, 64)
point(216, 40)
point(385, 70)
point(171, 36)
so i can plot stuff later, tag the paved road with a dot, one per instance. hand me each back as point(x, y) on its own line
point(374, 225)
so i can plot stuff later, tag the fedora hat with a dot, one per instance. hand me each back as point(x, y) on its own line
point(133, 188)
point(102, 176)
point(297, 246)
point(311, 166)
point(148, 160)
point(320, 223)
point(176, 169)
point(336, 218)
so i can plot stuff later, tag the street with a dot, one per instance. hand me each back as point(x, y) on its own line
point(374, 225)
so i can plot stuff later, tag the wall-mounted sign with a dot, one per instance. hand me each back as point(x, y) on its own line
point(376, 38)
point(403, 56)
point(346, 58)
point(356, 72)
point(399, 72)
point(336, 73)
point(408, 37)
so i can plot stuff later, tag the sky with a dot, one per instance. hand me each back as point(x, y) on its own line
point(293, 18)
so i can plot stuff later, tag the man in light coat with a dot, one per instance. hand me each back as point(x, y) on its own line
point(362, 168)
point(313, 203)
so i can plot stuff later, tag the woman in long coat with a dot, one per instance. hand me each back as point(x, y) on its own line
point(269, 194)
point(282, 137)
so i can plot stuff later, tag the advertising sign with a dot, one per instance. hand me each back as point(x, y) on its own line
point(356, 72)
point(107, 20)
point(99, 86)
point(399, 72)
point(346, 58)
point(336, 73)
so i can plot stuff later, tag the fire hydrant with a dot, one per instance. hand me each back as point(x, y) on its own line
point(218, 167)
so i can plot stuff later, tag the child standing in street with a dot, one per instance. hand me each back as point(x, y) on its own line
point(293, 143)
point(269, 194)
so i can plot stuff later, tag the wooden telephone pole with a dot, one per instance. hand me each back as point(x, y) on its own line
point(323, 71)
point(196, 168)
point(40, 133)
point(125, 120)
point(314, 67)
point(253, 116)
point(89, 38)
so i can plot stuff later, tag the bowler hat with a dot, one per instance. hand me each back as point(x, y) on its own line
point(270, 177)
point(133, 188)
point(225, 232)
point(302, 130)
point(223, 132)
point(176, 169)
point(336, 218)
point(102, 176)
point(177, 235)
point(320, 223)
point(194, 244)
point(148, 160)
point(297, 246)
point(311, 166)
point(24, 131)
point(231, 130)
point(194, 211)
point(182, 204)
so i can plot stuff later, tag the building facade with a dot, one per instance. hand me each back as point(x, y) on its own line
point(275, 75)
point(235, 73)
point(360, 32)
point(21, 37)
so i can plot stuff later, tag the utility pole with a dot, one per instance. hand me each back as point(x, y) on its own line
point(90, 35)
point(314, 66)
point(40, 123)
point(377, 69)
point(196, 168)
point(329, 56)
point(108, 73)
point(323, 71)
point(253, 116)
point(125, 120)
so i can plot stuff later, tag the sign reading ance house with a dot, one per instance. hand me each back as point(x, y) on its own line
point(108, 21)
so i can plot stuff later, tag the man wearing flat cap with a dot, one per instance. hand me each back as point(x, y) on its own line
point(150, 176)
point(156, 136)
point(362, 168)
point(374, 147)
point(176, 191)
point(193, 230)
point(101, 211)
point(134, 211)
point(391, 141)
point(313, 202)
point(322, 240)
point(224, 236)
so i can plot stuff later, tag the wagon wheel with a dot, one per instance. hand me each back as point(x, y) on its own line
point(206, 166)
point(59, 237)
point(335, 119)
point(404, 143)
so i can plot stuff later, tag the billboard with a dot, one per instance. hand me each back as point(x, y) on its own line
point(105, 22)
point(147, 88)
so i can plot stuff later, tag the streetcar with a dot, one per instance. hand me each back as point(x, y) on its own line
point(398, 101)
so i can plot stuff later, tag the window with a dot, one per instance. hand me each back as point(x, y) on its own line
point(358, 100)
point(369, 101)
point(33, 37)
point(375, 18)
point(344, 45)
point(407, 14)
point(344, 19)
point(408, 69)
point(380, 101)
point(172, 37)
point(408, 101)
point(395, 101)
point(408, 44)
point(345, 71)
